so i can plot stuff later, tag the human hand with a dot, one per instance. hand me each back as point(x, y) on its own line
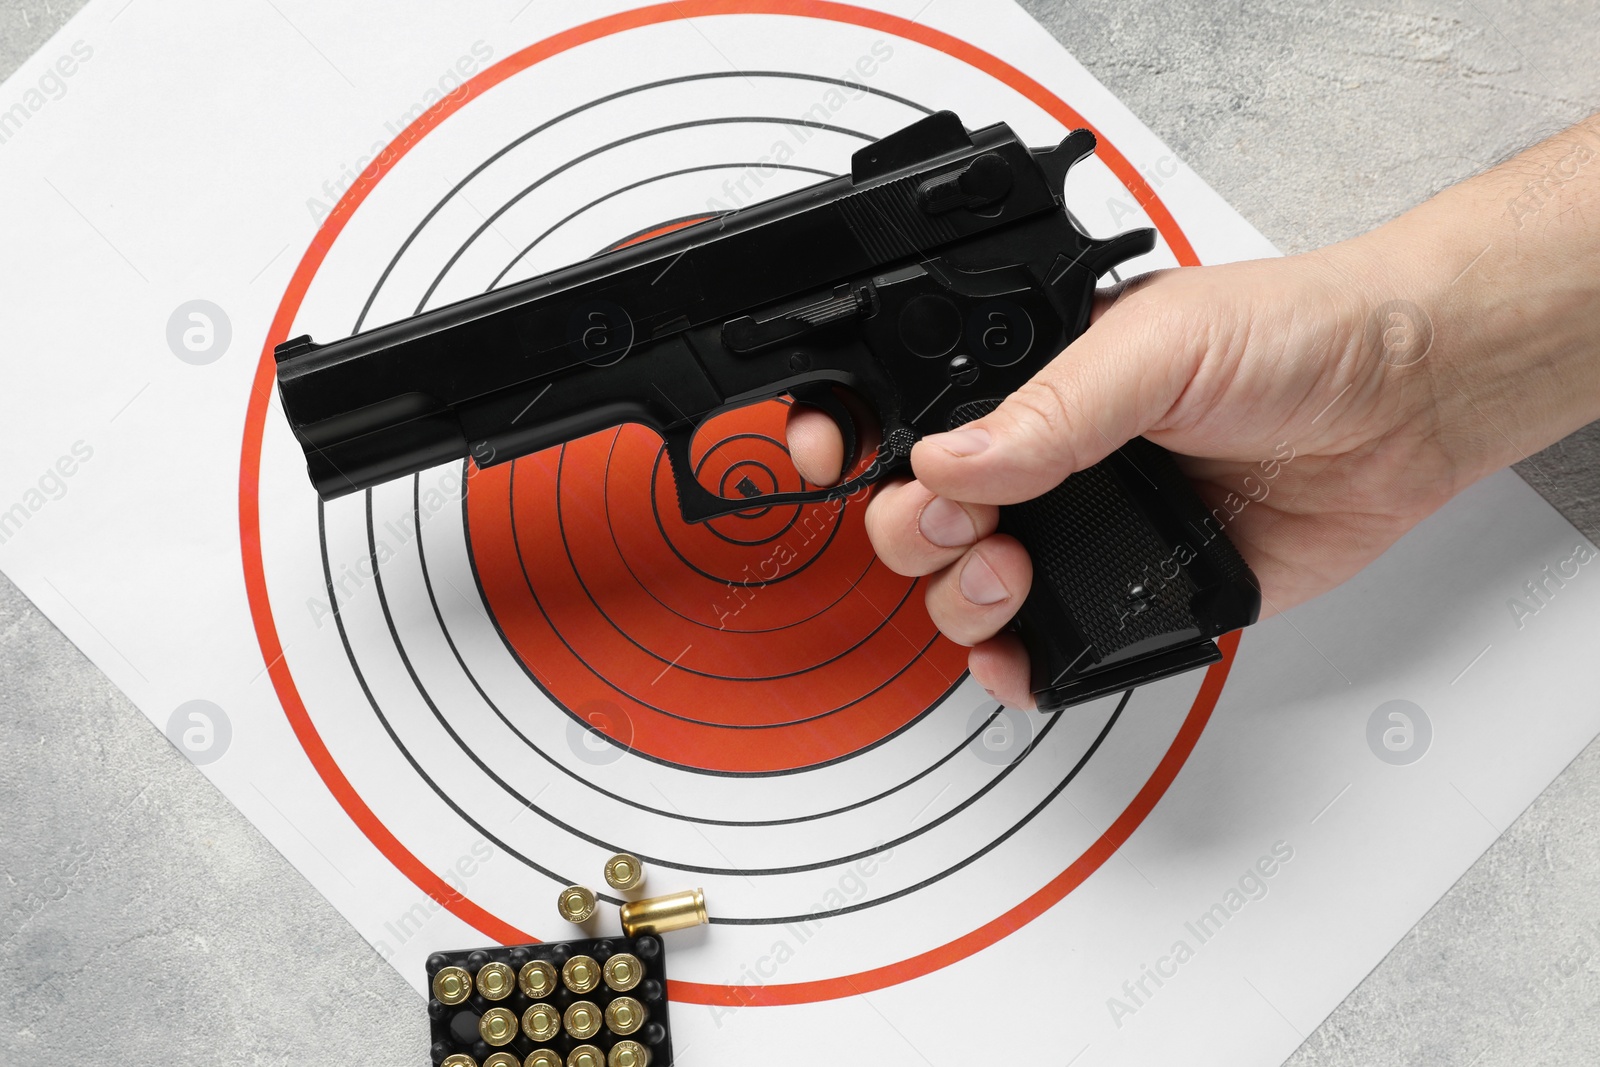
point(1325, 403)
point(1265, 376)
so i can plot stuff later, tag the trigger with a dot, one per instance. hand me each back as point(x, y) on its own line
point(821, 395)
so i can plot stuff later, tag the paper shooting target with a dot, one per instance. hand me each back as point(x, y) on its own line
point(545, 658)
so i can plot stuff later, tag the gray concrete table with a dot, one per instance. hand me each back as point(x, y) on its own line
point(145, 921)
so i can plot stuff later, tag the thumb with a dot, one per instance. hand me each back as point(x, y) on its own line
point(1117, 380)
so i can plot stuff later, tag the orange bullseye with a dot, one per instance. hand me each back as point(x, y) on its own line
point(764, 649)
point(759, 642)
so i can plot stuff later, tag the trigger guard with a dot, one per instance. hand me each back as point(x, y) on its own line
point(821, 395)
point(696, 503)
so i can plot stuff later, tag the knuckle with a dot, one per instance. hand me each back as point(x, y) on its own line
point(1012, 559)
point(962, 620)
point(905, 559)
point(986, 517)
point(951, 616)
point(1000, 665)
point(891, 527)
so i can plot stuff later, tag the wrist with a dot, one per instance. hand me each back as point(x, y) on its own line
point(1502, 275)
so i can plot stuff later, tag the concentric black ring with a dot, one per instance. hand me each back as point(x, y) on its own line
point(569, 772)
point(460, 661)
point(661, 862)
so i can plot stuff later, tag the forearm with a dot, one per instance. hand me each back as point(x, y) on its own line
point(1505, 268)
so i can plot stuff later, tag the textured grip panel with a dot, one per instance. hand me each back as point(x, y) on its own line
point(1095, 553)
point(1199, 528)
point(1116, 549)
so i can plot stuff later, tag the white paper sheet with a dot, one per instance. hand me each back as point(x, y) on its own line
point(1199, 876)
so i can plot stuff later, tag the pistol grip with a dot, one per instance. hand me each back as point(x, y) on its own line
point(1132, 576)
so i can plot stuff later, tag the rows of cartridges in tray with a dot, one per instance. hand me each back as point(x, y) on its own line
point(588, 1002)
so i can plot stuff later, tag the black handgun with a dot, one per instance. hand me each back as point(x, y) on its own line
point(934, 279)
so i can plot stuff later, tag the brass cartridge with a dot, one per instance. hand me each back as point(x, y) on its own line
point(660, 915)
point(628, 1054)
point(582, 1019)
point(496, 981)
point(498, 1026)
point(624, 871)
point(542, 1022)
point(623, 971)
point(576, 903)
point(537, 979)
point(581, 974)
point(625, 1015)
point(452, 985)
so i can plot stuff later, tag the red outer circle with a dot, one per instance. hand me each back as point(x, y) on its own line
point(250, 516)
